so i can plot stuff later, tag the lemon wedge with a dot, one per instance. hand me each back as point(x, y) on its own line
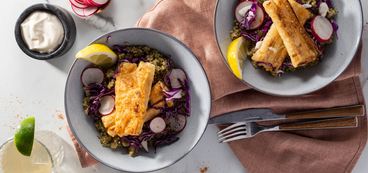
point(236, 54)
point(98, 54)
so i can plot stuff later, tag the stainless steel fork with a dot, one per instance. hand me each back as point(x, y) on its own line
point(243, 130)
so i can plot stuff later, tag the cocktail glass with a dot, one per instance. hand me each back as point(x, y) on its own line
point(47, 155)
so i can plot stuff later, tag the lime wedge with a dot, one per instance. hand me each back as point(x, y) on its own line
point(24, 136)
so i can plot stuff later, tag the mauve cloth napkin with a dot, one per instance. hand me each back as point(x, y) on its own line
point(191, 21)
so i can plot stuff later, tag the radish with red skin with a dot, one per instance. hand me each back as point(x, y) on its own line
point(157, 125)
point(107, 105)
point(174, 75)
point(178, 125)
point(92, 74)
point(78, 11)
point(92, 4)
point(260, 14)
point(77, 4)
point(87, 3)
point(89, 11)
point(98, 2)
point(321, 28)
point(80, 2)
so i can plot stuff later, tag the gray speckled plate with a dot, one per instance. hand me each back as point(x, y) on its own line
point(302, 81)
point(83, 127)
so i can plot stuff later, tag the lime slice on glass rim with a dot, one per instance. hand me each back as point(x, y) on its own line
point(24, 136)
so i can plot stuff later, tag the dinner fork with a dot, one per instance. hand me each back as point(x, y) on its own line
point(243, 130)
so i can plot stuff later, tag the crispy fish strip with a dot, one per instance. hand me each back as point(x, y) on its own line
point(157, 93)
point(152, 112)
point(108, 122)
point(132, 90)
point(298, 43)
point(278, 52)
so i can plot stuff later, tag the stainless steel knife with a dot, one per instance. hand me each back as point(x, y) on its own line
point(253, 115)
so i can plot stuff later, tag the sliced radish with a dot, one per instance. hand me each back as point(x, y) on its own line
point(157, 125)
point(107, 105)
point(92, 74)
point(89, 11)
point(80, 1)
point(99, 2)
point(321, 28)
point(178, 125)
point(78, 11)
point(174, 75)
point(243, 7)
point(77, 4)
point(144, 145)
point(88, 3)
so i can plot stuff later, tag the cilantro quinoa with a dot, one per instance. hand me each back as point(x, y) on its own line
point(256, 35)
point(163, 67)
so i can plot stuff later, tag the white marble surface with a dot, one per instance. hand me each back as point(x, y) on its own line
point(36, 88)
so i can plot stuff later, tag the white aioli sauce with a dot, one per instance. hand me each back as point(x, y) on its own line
point(42, 32)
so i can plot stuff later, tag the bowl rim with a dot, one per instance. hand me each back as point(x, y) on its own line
point(63, 17)
point(169, 36)
point(287, 95)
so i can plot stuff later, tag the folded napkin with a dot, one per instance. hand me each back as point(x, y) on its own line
point(191, 21)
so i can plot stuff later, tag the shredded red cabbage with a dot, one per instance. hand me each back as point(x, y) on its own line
point(252, 36)
point(328, 2)
point(167, 80)
point(121, 49)
point(133, 141)
point(335, 27)
point(267, 64)
point(249, 17)
point(286, 62)
point(173, 94)
point(97, 90)
point(108, 38)
point(184, 84)
point(267, 24)
point(169, 138)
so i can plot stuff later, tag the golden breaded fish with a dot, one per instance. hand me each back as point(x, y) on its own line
point(157, 93)
point(298, 43)
point(152, 112)
point(108, 122)
point(156, 99)
point(132, 91)
point(273, 51)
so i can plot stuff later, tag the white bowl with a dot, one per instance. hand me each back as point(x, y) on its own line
point(83, 127)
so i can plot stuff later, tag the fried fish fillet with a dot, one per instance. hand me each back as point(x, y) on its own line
point(152, 112)
point(272, 50)
point(156, 99)
point(132, 91)
point(298, 43)
point(108, 122)
point(157, 93)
